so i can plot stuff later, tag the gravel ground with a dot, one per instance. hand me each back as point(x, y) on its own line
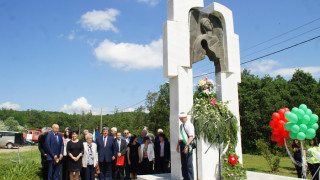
point(15, 149)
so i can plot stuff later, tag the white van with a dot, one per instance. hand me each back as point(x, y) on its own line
point(9, 139)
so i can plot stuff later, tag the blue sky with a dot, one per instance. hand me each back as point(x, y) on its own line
point(84, 55)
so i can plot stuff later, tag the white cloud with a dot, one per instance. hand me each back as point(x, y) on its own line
point(264, 66)
point(314, 70)
point(150, 2)
point(79, 105)
point(72, 35)
point(269, 67)
point(96, 20)
point(130, 55)
point(129, 109)
point(9, 105)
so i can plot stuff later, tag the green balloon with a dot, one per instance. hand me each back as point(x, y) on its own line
point(303, 128)
point(314, 118)
point(295, 128)
point(301, 136)
point(305, 119)
point(287, 115)
point(303, 107)
point(293, 135)
point(300, 113)
point(310, 133)
point(293, 118)
point(287, 126)
point(294, 110)
point(315, 126)
point(309, 112)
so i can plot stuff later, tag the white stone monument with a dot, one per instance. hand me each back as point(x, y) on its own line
point(190, 33)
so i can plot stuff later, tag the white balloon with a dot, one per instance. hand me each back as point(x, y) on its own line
point(317, 155)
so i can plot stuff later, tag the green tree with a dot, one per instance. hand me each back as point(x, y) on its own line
point(158, 105)
point(12, 124)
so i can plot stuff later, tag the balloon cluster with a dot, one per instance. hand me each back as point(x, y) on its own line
point(277, 125)
point(302, 123)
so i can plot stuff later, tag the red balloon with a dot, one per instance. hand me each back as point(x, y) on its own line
point(274, 137)
point(280, 124)
point(282, 112)
point(286, 134)
point(276, 132)
point(286, 109)
point(271, 124)
point(280, 143)
point(276, 116)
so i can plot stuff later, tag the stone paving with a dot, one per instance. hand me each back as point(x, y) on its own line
point(250, 176)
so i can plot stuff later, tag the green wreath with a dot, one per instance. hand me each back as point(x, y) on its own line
point(206, 107)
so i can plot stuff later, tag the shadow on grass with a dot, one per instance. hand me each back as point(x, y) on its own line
point(289, 168)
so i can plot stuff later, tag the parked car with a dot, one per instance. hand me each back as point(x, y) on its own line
point(10, 139)
point(29, 142)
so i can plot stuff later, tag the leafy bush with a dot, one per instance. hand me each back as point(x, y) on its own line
point(272, 160)
point(25, 170)
point(29, 168)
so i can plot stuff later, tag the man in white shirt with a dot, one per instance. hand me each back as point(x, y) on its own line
point(186, 135)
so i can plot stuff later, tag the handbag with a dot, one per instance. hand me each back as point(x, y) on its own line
point(97, 170)
point(120, 161)
point(193, 143)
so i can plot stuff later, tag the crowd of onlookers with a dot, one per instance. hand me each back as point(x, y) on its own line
point(113, 155)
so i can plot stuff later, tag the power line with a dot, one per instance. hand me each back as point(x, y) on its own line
point(281, 42)
point(134, 104)
point(275, 52)
point(281, 34)
point(204, 74)
point(255, 59)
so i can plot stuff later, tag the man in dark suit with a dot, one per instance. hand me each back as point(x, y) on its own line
point(54, 146)
point(106, 154)
point(43, 150)
point(120, 146)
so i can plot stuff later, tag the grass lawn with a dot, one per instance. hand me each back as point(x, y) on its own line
point(30, 165)
point(28, 169)
point(259, 164)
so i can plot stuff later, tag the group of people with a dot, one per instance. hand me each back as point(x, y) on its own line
point(313, 163)
point(112, 156)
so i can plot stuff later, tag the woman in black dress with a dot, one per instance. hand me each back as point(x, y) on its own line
point(75, 151)
point(133, 156)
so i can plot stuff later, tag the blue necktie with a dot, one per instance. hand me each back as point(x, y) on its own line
point(57, 138)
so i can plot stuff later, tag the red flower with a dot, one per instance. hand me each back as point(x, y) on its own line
point(233, 160)
point(213, 101)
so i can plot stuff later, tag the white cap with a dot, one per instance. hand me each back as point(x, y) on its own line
point(182, 114)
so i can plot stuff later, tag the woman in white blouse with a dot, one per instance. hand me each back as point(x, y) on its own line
point(147, 156)
point(90, 157)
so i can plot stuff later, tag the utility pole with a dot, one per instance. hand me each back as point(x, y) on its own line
point(101, 121)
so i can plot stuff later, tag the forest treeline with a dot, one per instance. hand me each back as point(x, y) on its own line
point(259, 97)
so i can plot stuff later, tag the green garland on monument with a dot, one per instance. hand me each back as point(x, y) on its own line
point(206, 107)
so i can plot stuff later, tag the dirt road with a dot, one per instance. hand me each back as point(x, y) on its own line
point(15, 149)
